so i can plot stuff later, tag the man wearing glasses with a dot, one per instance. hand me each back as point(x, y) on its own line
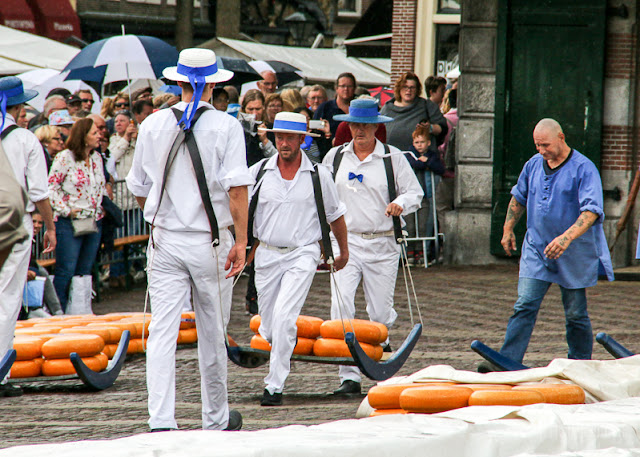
point(345, 90)
point(86, 98)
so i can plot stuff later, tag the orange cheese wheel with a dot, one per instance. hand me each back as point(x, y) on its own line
point(58, 324)
point(366, 331)
point(118, 316)
point(123, 326)
point(103, 359)
point(330, 347)
point(27, 347)
point(307, 326)
point(138, 326)
point(63, 345)
point(188, 320)
point(37, 330)
point(102, 332)
point(434, 399)
point(385, 412)
point(136, 346)
point(561, 394)
point(110, 350)
point(304, 346)
point(476, 387)
point(505, 397)
point(114, 332)
point(254, 323)
point(64, 367)
point(388, 396)
point(187, 336)
point(25, 369)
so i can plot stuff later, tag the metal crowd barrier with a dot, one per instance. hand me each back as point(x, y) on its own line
point(437, 237)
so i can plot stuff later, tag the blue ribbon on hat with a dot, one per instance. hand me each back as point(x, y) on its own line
point(355, 176)
point(290, 125)
point(197, 78)
point(4, 98)
point(364, 112)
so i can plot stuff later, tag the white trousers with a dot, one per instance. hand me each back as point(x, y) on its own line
point(375, 262)
point(13, 277)
point(283, 282)
point(178, 269)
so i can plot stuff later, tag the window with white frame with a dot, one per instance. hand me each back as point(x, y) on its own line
point(348, 8)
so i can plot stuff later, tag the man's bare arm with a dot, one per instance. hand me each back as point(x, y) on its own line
point(514, 213)
point(141, 202)
point(339, 229)
point(239, 207)
point(560, 244)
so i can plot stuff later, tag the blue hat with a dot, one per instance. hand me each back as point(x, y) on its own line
point(286, 122)
point(363, 111)
point(12, 93)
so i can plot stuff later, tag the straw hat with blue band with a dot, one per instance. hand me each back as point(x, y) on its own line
point(363, 111)
point(197, 67)
point(12, 93)
point(286, 122)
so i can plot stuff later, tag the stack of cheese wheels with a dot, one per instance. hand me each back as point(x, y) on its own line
point(308, 331)
point(28, 356)
point(188, 333)
point(57, 350)
point(433, 397)
point(368, 333)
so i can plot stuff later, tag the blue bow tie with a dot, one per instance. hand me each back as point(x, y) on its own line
point(355, 176)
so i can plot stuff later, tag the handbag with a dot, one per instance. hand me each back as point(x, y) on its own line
point(84, 226)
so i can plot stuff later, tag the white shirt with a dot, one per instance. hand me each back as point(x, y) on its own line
point(221, 144)
point(367, 200)
point(286, 215)
point(26, 156)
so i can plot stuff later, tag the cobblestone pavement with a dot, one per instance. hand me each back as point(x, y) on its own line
point(458, 305)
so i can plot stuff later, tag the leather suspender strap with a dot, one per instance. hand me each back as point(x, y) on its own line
point(322, 216)
point(336, 161)
point(7, 131)
point(177, 142)
point(254, 202)
point(391, 184)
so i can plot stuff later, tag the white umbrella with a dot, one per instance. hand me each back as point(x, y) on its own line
point(45, 79)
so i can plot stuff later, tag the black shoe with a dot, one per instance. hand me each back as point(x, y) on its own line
point(348, 388)
point(154, 430)
point(9, 390)
point(252, 306)
point(487, 367)
point(235, 421)
point(387, 348)
point(271, 399)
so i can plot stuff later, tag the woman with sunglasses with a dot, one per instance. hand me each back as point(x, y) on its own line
point(111, 106)
point(51, 141)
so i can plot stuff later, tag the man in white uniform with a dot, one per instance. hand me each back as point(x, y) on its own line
point(183, 256)
point(288, 228)
point(26, 157)
point(374, 253)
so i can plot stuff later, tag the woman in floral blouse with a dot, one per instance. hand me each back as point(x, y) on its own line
point(76, 186)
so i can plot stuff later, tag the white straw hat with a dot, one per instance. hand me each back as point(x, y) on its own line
point(286, 122)
point(198, 61)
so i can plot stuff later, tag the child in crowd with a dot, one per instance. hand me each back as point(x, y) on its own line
point(427, 166)
point(220, 99)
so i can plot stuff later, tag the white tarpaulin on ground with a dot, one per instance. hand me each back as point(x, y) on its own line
point(610, 428)
point(317, 65)
point(22, 51)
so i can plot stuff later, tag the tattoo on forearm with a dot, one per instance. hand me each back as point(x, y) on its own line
point(514, 211)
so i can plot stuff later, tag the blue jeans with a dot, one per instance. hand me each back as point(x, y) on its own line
point(74, 256)
point(520, 326)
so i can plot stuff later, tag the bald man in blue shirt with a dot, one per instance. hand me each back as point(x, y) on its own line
point(565, 244)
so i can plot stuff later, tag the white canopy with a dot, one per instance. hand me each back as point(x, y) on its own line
point(317, 65)
point(22, 51)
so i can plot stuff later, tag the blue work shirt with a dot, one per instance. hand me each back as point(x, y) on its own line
point(554, 202)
